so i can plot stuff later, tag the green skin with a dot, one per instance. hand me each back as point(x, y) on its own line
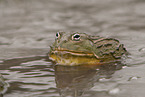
point(102, 48)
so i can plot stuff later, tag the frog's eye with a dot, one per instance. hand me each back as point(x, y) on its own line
point(57, 35)
point(76, 37)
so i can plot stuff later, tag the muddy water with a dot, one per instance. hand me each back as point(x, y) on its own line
point(27, 28)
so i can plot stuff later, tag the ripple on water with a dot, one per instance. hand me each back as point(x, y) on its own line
point(35, 76)
point(142, 50)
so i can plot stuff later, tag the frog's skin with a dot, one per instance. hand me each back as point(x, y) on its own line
point(80, 48)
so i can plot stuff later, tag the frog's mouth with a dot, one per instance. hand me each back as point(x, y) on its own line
point(62, 51)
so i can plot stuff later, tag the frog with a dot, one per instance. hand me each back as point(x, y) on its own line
point(76, 48)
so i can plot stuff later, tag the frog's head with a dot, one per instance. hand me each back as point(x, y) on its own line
point(72, 49)
point(72, 42)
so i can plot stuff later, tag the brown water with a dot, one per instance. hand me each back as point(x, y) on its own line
point(28, 27)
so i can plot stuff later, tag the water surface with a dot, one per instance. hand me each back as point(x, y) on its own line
point(27, 28)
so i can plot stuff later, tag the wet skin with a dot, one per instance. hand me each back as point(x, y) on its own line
point(80, 48)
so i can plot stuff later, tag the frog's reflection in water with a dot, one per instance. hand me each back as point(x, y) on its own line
point(75, 80)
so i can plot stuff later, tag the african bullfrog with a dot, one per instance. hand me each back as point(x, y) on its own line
point(80, 48)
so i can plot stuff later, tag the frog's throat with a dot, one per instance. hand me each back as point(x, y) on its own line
point(74, 60)
point(70, 57)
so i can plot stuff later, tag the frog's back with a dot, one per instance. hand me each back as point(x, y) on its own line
point(107, 48)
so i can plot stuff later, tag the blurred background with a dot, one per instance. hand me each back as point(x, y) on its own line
point(28, 27)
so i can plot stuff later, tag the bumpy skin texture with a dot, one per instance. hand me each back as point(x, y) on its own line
point(81, 44)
